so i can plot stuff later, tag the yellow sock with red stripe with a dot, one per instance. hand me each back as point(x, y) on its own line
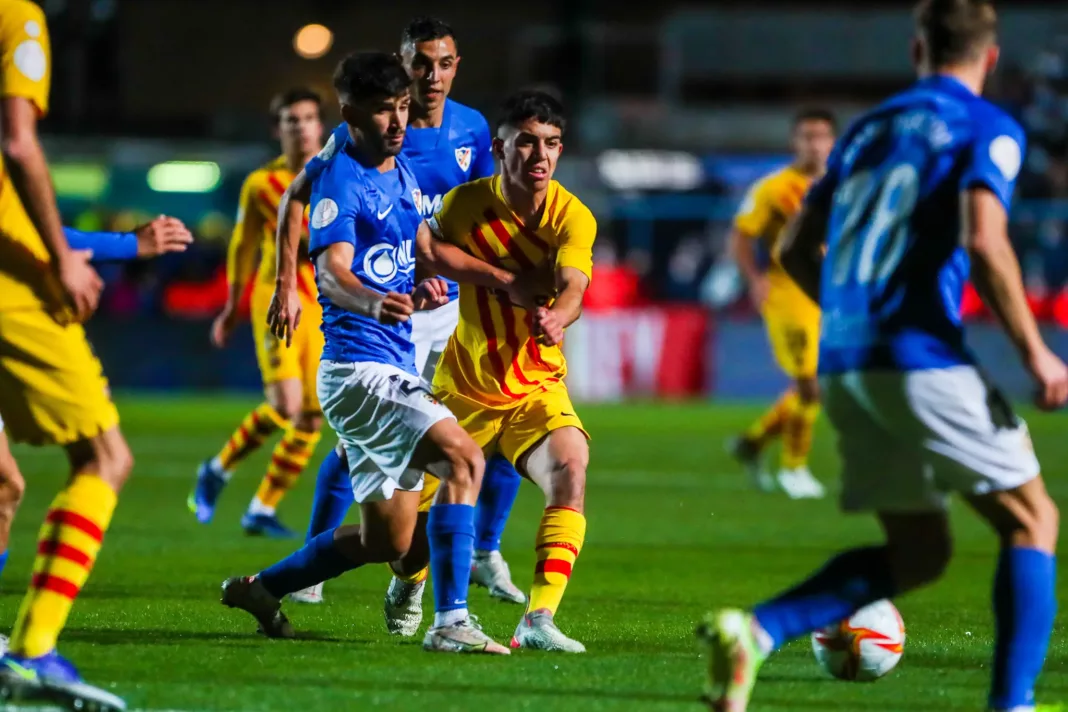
point(260, 424)
point(290, 457)
point(66, 549)
point(797, 434)
point(771, 424)
point(559, 541)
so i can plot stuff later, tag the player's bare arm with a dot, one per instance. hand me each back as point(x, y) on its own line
point(550, 322)
point(283, 315)
point(996, 275)
point(802, 249)
point(438, 257)
point(343, 288)
point(25, 160)
point(743, 251)
point(241, 266)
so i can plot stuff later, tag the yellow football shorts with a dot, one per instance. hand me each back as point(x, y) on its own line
point(793, 325)
point(301, 359)
point(52, 386)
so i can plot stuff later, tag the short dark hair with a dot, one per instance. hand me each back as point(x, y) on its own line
point(815, 113)
point(425, 29)
point(529, 104)
point(364, 75)
point(292, 96)
point(955, 31)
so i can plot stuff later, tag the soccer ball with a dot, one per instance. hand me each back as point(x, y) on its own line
point(863, 648)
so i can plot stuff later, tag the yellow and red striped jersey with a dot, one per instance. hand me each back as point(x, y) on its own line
point(257, 222)
point(492, 358)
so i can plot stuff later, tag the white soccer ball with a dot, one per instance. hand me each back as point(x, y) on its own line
point(863, 648)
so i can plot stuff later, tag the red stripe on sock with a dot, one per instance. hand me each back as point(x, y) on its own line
point(559, 545)
point(55, 584)
point(286, 466)
point(64, 551)
point(67, 518)
point(553, 566)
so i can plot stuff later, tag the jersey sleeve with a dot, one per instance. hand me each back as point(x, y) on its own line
point(448, 223)
point(335, 209)
point(248, 226)
point(995, 158)
point(577, 233)
point(106, 246)
point(25, 55)
point(484, 167)
point(755, 214)
point(334, 143)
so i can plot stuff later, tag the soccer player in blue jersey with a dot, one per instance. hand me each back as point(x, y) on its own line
point(446, 144)
point(365, 214)
point(914, 201)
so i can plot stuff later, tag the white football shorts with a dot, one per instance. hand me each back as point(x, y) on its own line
point(380, 414)
point(430, 334)
point(908, 439)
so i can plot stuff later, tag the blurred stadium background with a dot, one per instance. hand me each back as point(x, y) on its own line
point(160, 107)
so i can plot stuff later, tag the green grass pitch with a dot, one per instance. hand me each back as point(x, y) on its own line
point(673, 531)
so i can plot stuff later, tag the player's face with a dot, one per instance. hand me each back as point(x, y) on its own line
point(813, 141)
point(432, 65)
point(300, 128)
point(381, 120)
point(529, 153)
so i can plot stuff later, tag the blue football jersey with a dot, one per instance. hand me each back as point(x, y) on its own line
point(378, 213)
point(895, 269)
point(442, 158)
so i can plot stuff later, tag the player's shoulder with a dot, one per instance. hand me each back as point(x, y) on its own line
point(479, 192)
point(16, 13)
point(468, 117)
point(771, 183)
point(566, 206)
point(991, 120)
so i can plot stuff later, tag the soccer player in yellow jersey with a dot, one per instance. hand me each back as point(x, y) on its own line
point(52, 388)
point(502, 373)
point(292, 405)
point(792, 319)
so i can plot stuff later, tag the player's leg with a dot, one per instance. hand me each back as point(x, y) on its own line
point(748, 448)
point(794, 335)
point(12, 486)
point(546, 440)
point(331, 502)
point(1027, 522)
point(500, 485)
point(301, 407)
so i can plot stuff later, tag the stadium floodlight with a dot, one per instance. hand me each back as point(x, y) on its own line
point(313, 41)
point(85, 181)
point(184, 177)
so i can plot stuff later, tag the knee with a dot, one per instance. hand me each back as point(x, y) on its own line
point(385, 547)
point(1038, 526)
point(808, 390)
point(467, 464)
point(308, 422)
point(12, 487)
point(920, 560)
point(114, 463)
point(569, 482)
point(287, 403)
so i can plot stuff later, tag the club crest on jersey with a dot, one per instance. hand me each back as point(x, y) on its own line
point(463, 158)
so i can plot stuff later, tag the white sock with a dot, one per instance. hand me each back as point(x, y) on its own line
point(217, 468)
point(447, 618)
point(258, 507)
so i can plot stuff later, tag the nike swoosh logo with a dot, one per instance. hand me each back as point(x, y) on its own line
point(23, 672)
point(382, 216)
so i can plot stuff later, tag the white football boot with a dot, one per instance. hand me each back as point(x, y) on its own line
point(490, 571)
point(799, 483)
point(403, 607)
point(311, 594)
point(751, 458)
point(537, 631)
point(464, 636)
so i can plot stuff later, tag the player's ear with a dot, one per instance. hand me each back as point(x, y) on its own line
point(993, 54)
point(498, 149)
point(916, 52)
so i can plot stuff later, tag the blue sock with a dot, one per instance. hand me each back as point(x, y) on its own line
point(3, 562)
point(451, 531)
point(846, 583)
point(332, 498)
point(1024, 607)
point(499, 489)
point(318, 561)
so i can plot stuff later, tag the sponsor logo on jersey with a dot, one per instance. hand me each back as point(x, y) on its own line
point(430, 206)
point(382, 262)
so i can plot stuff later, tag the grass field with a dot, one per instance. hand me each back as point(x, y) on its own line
point(673, 531)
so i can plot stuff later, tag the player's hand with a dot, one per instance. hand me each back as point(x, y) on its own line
point(1051, 378)
point(430, 294)
point(283, 315)
point(394, 309)
point(547, 325)
point(81, 284)
point(223, 326)
point(758, 293)
point(162, 235)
